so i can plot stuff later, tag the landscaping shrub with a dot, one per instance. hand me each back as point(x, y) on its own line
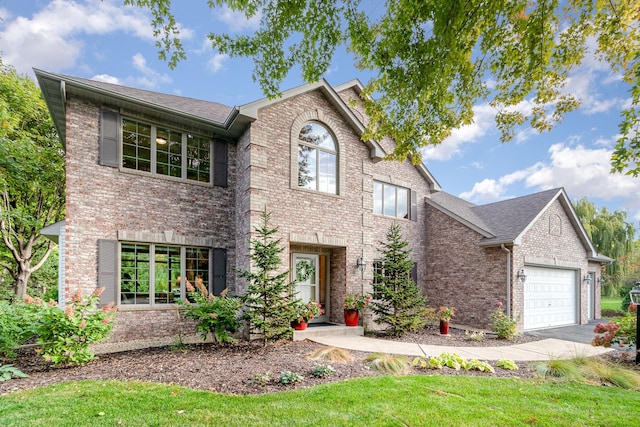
point(589, 370)
point(17, 325)
point(65, 335)
point(332, 354)
point(215, 315)
point(622, 331)
point(397, 300)
point(507, 364)
point(390, 363)
point(322, 370)
point(266, 306)
point(9, 371)
point(502, 324)
point(288, 377)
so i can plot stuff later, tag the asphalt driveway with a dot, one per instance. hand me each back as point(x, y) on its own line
point(576, 333)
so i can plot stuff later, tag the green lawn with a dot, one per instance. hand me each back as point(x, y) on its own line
point(611, 303)
point(378, 401)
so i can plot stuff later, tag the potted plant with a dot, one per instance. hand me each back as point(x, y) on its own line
point(353, 304)
point(302, 312)
point(445, 314)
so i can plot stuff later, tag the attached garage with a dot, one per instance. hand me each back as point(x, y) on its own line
point(550, 298)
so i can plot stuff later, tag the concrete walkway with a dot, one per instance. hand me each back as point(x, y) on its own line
point(545, 349)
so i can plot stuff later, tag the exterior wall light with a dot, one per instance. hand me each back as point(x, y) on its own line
point(522, 277)
point(587, 279)
point(361, 264)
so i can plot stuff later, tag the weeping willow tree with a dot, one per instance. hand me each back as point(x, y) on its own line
point(613, 236)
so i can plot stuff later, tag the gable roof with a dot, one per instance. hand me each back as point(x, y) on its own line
point(377, 152)
point(221, 119)
point(55, 88)
point(506, 222)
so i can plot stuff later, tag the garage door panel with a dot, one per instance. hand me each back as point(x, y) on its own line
point(549, 298)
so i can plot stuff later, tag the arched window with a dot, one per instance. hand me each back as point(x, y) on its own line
point(317, 158)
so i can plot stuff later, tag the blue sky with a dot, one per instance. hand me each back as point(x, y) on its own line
point(106, 41)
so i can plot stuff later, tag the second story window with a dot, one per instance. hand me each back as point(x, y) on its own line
point(317, 159)
point(167, 152)
point(390, 200)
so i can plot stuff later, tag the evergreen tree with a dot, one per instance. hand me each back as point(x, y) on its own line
point(266, 302)
point(397, 302)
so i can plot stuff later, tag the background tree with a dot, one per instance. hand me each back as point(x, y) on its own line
point(397, 301)
point(436, 59)
point(31, 178)
point(612, 236)
point(266, 302)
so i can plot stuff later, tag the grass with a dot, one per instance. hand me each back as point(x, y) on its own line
point(610, 303)
point(376, 401)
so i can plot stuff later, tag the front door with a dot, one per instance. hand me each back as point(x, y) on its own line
point(306, 270)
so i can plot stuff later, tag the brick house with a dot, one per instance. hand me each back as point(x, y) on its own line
point(531, 253)
point(162, 187)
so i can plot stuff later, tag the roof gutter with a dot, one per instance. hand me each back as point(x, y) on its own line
point(503, 247)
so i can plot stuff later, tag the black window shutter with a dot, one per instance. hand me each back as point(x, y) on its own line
point(109, 138)
point(219, 280)
point(414, 272)
point(414, 205)
point(220, 154)
point(107, 266)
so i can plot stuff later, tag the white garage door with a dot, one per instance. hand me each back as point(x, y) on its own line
point(549, 298)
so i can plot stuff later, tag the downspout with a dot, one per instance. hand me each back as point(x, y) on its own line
point(508, 278)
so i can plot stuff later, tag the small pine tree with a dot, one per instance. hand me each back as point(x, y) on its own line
point(397, 301)
point(266, 301)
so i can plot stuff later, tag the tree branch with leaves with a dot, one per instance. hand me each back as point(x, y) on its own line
point(436, 59)
point(32, 178)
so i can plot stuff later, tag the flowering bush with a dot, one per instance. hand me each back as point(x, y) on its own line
point(621, 332)
point(65, 335)
point(502, 324)
point(302, 311)
point(218, 315)
point(446, 313)
point(356, 302)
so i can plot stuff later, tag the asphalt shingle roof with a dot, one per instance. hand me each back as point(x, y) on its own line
point(207, 110)
point(502, 221)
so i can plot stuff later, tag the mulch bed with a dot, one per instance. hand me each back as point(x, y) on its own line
point(234, 369)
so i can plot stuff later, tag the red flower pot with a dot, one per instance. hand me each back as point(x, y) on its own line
point(299, 326)
point(351, 317)
point(444, 327)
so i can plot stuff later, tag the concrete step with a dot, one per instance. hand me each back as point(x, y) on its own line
point(328, 330)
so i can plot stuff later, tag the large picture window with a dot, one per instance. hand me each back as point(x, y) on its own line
point(164, 151)
point(317, 159)
point(390, 200)
point(152, 274)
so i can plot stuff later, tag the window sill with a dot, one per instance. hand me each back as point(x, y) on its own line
point(146, 307)
point(165, 177)
point(316, 192)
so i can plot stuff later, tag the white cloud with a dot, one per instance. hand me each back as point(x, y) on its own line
point(53, 37)
point(236, 21)
point(484, 120)
point(106, 78)
point(216, 62)
point(582, 171)
point(150, 78)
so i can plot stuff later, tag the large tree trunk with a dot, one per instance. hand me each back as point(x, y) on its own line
point(21, 281)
